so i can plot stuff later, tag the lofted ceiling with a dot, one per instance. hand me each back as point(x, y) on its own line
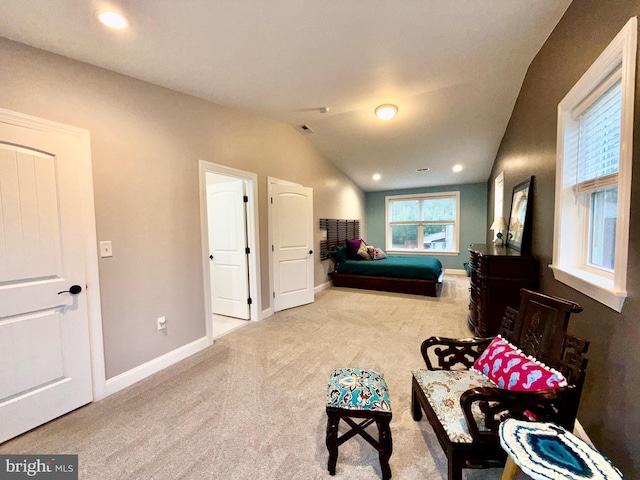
point(453, 67)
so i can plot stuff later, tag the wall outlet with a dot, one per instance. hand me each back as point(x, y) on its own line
point(162, 323)
point(105, 249)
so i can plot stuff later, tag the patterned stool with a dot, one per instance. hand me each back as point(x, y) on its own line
point(545, 451)
point(358, 393)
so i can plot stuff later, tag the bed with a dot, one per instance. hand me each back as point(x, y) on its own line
point(418, 275)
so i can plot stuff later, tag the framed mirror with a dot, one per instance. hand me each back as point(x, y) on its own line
point(519, 231)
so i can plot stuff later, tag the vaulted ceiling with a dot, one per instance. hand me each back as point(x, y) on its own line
point(454, 69)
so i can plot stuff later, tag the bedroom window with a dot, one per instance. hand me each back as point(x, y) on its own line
point(593, 175)
point(425, 223)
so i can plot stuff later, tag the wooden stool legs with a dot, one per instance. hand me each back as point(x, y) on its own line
point(383, 444)
point(333, 419)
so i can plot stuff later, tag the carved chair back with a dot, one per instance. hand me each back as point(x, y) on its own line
point(540, 325)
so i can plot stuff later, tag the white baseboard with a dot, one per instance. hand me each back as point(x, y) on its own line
point(455, 271)
point(321, 287)
point(128, 378)
point(579, 432)
point(267, 313)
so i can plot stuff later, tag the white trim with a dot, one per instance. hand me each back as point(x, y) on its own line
point(432, 253)
point(567, 267)
point(130, 377)
point(579, 432)
point(498, 200)
point(87, 211)
point(35, 123)
point(253, 235)
point(321, 287)
point(92, 278)
point(266, 313)
point(602, 293)
point(279, 181)
point(455, 271)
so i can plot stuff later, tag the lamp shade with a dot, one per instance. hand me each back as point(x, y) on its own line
point(499, 224)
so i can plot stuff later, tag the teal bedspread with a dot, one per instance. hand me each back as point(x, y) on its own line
point(396, 266)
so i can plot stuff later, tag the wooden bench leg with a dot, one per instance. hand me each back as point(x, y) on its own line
point(385, 446)
point(454, 468)
point(416, 410)
point(333, 419)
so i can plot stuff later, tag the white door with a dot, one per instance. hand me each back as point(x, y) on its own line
point(227, 249)
point(45, 367)
point(292, 223)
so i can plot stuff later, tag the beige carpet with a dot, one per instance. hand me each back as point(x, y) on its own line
point(252, 405)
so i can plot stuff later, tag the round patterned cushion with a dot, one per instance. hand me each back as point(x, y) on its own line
point(358, 389)
point(545, 451)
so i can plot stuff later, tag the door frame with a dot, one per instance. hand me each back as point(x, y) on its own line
point(253, 235)
point(87, 213)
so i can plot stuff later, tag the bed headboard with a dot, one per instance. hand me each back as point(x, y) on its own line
point(338, 232)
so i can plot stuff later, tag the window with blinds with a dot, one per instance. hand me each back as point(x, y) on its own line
point(593, 174)
point(594, 147)
point(423, 223)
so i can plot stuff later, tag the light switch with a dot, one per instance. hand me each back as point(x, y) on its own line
point(105, 249)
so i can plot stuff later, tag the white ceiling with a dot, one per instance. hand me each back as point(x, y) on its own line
point(453, 67)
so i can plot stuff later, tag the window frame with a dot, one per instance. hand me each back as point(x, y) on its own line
point(419, 197)
point(571, 220)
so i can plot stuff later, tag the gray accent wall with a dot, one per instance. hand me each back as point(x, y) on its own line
point(473, 218)
point(610, 407)
point(146, 142)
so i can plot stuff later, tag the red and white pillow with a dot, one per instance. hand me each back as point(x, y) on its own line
point(509, 368)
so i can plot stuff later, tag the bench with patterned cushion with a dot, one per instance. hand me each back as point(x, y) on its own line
point(533, 370)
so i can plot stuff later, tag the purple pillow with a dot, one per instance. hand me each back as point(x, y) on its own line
point(353, 246)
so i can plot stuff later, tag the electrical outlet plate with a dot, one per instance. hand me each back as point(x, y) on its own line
point(105, 249)
point(162, 323)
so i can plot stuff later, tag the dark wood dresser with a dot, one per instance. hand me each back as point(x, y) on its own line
point(497, 275)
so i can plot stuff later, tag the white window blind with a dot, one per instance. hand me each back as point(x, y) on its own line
point(596, 144)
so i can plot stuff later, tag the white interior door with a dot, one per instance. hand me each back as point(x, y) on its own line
point(292, 224)
point(227, 249)
point(45, 366)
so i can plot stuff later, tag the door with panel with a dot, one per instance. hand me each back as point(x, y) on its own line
point(228, 249)
point(292, 248)
point(45, 365)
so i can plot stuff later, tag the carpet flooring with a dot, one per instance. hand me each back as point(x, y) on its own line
point(251, 406)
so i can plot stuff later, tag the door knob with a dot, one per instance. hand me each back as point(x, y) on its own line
point(73, 290)
point(310, 252)
point(211, 257)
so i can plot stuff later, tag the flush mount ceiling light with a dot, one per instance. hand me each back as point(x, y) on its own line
point(376, 176)
point(113, 20)
point(386, 111)
point(457, 168)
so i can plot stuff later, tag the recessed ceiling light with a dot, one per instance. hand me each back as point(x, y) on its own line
point(457, 168)
point(376, 176)
point(113, 20)
point(386, 112)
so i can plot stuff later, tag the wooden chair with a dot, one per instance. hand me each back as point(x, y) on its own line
point(469, 434)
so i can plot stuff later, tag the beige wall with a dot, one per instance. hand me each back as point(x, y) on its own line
point(145, 145)
point(610, 406)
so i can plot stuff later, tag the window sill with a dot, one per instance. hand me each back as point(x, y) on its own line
point(423, 252)
point(598, 288)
